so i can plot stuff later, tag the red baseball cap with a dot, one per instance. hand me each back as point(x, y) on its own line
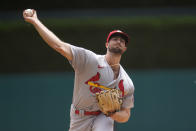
point(118, 33)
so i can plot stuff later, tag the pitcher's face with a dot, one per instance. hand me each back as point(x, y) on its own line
point(117, 45)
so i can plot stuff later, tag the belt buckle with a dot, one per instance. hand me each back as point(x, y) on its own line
point(81, 113)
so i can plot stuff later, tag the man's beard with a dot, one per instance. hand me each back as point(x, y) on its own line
point(115, 50)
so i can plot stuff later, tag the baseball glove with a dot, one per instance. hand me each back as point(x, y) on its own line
point(109, 101)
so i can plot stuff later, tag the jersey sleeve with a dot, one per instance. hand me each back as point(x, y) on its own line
point(80, 58)
point(128, 99)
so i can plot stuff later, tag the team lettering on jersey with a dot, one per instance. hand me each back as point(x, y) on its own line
point(96, 78)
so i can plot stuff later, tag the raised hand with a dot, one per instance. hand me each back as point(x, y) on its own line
point(30, 18)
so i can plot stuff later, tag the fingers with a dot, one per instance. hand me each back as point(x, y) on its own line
point(34, 12)
point(24, 15)
point(27, 15)
point(28, 18)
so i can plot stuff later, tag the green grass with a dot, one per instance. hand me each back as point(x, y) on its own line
point(158, 22)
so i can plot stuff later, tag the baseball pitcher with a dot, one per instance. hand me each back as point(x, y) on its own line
point(103, 91)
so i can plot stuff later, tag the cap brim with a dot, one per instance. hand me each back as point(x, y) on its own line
point(121, 34)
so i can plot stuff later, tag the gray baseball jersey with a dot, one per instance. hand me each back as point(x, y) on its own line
point(90, 67)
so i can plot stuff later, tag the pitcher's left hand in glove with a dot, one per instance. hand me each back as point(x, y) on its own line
point(109, 101)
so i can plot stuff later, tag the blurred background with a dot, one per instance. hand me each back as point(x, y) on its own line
point(36, 83)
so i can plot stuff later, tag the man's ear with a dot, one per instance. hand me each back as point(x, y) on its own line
point(106, 44)
point(125, 49)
